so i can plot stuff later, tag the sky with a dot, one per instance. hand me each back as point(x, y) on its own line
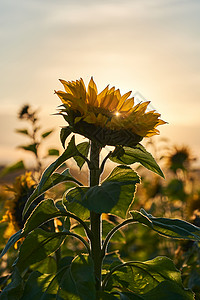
point(147, 46)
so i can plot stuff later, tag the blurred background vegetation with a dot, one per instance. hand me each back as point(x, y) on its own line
point(176, 196)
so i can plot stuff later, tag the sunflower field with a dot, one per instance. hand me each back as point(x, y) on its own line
point(123, 223)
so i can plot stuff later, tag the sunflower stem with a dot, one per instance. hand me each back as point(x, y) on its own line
point(95, 218)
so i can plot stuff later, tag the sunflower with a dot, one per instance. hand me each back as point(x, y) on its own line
point(179, 158)
point(107, 117)
point(22, 188)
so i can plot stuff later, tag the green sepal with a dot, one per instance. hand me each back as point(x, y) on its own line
point(136, 154)
point(64, 133)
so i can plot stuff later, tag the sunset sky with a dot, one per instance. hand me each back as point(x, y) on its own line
point(147, 46)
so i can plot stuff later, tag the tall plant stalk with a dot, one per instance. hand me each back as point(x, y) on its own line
point(95, 218)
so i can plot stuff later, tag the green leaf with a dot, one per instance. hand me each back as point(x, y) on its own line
point(47, 133)
point(101, 199)
point(173, 228)
point(68, 153)
point(48, 266)
point(130, 155)
point(36, 286)
point(82, 271)
point(53, 152)
point(12, 240)
point(73, 202)
point(12, 168)
point(31, 147)
point(143, 279)
point(37, 246)
point(45, 211)
point(14, 289)
point(126, 178)
point(83, 148)
point(50, 182)
point(64, 133)
point(23, 131)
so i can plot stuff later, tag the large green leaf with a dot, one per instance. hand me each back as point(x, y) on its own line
point(36, 286)
point(37, 246)
point(83, 148)
point(173, 228)
point(73, 202)
point(130, 155)
point(53, 180)
point(45, 211)
point(82, 271)
point(143, 279)
point(101, 199)
point(126, 179)
point(14, 289)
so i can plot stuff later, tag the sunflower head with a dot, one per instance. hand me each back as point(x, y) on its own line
point(22, 188)
point(108, 118)
point(180, 158)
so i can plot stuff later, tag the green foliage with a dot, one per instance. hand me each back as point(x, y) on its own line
point(173, 228)
point(62, 255)
point(37, 246)
point(147, 279)
point(131, 155)
point(48, 183)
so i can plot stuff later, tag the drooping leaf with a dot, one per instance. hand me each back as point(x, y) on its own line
point(64, 133)
point(14, 289)
point(12, 168)
point(53, 180)
point(45, 211)
point(101, 199)
point(47, 133)
point(173, 228)
point(37, 246)
point(31, 147)
point(12, 240)
point(126, 178)
point(143, 279)
point(136, 154)
point(53, 152)
point(83, 148)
